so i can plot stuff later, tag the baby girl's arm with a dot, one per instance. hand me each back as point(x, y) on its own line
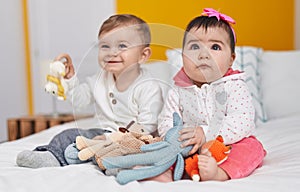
point(165, 119)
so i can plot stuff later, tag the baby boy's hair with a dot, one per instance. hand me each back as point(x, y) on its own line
point(121, 20)
point(206, 22)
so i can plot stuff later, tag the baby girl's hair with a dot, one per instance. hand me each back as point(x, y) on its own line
point(207, 22)
point(121, 20)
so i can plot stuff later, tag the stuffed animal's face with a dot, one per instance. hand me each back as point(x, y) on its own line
point(54, 86)
point(55, 80)
point(217, 149)
point(51, 88)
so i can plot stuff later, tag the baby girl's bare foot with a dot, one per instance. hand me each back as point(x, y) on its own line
point(208, 168)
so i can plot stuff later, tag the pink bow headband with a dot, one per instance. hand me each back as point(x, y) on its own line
point(213, 13)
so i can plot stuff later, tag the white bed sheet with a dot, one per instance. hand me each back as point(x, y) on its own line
point(280, 171)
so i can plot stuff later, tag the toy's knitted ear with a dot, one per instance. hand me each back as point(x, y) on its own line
point(177, 120)
point(220, 138)
point(137, 129)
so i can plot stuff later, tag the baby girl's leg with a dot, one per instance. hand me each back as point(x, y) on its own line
point(245, 156)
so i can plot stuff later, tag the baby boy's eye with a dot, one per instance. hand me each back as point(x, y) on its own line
point(103, 46)
point(123, 46)
point(216, 47)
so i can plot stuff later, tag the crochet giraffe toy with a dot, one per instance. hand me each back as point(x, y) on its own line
point(154, 159)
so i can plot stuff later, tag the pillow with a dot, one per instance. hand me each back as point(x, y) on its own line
point(280, 72)
point(247, 60)
point(160, 71)
point(174, 58)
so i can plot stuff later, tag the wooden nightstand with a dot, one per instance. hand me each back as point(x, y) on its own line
point(27, 125)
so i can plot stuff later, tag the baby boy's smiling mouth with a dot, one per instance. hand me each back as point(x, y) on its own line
point(113, 62)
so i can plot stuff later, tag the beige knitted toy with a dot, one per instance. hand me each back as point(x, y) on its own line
point(129, 144)
point(127, 141)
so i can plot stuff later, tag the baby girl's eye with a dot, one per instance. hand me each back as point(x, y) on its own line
point(194, 46)
point(216, 47)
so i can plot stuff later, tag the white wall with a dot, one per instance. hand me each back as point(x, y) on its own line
point(13, 97)
point(62, 26)
point(55, 26)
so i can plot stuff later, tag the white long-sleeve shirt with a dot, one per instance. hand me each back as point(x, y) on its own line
point(223, 107)
point(141, 102)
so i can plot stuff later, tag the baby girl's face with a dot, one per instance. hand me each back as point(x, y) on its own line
point(206, 54)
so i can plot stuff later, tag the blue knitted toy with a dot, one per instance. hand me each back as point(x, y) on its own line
point(157, 158)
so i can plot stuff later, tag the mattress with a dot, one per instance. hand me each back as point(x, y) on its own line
point(280, 170)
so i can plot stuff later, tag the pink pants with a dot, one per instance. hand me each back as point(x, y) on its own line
point(245, 156)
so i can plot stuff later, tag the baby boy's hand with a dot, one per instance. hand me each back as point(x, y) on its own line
point(67, 61)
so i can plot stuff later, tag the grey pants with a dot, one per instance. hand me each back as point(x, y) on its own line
point(62, 140)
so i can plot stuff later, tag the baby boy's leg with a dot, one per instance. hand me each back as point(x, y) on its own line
point(43, 155)
point(48, 155)
point(36, 159)
point(59, 143)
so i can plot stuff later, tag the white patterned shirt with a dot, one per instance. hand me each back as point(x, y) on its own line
point(223, 107)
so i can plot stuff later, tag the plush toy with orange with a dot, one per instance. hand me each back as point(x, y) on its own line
point(217, 149)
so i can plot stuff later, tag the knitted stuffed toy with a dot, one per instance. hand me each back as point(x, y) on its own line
point(217, 149)
point(129, 144)
point(56, 84)
point(127, 141)
point(155, 159)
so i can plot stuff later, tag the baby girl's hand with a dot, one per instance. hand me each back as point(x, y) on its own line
point(192, 136)
point(67, 61)
point(208, 167)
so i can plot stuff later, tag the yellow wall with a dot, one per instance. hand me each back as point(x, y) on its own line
point(264, 23)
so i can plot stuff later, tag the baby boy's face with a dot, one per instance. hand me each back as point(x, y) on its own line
point(206, 54)
point(120, 48)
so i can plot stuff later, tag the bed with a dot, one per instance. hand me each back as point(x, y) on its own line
point(273, 80)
